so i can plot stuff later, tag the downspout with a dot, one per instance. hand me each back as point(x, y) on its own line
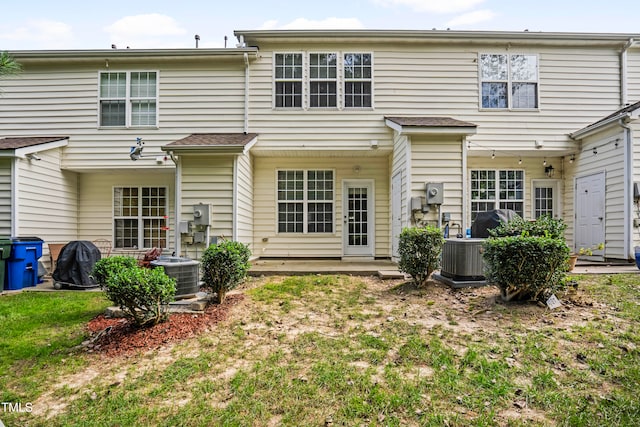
point(465, 209)
point(234, 201)
point(14, 197)
point(178, 202)
point(246, 93)
point(628, 190)
point(624, 73)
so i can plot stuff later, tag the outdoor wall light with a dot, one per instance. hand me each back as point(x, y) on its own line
point(549, 170)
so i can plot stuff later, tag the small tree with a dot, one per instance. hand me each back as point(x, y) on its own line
point(224, 266)
point(420, 249)
point(143, 294)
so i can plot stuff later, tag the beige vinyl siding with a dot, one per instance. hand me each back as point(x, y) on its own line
point(244, 197)
point(577, 86)
point(317, 244)
point(633, 75)
point(95, 207)
point(207, 180)
point(193, 97)
point(48, 203)
point(438, 160)
point(401, 163)
point(5, 197)
point(610, 160)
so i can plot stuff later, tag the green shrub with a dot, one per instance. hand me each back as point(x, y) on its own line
point(109, 266)
point(420, 249)
point(224, 266)
point(143, 294)
point(526, 267)
point(545, 226)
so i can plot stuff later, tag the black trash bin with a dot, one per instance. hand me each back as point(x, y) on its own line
point(5, 253)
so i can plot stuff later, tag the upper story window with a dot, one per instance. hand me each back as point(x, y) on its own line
point(357, 80)
point(323, 80)
point(509, 81)
point(288, 79)
point(129, 99)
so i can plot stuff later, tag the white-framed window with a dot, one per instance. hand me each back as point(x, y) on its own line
point(358, 78)
point(140, 217)
point(497, 189)
point(508, 81)
point(323, 80)
point(305, 201)
point(288, 80)
point(128, 99)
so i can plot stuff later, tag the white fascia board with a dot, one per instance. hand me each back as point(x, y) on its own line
point(22, 152)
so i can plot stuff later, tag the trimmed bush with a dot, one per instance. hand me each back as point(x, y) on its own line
point(143, 294)
point(545, 226)
point(420, 249)
point(526, 267)
point(224, 266)
point(107, 267)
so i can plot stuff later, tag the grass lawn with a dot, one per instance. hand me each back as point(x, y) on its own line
point(339, 350)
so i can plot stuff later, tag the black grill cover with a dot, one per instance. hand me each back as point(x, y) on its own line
point(489, 220)
point(75, 262)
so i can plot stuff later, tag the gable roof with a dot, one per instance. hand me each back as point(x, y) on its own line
point(630, 111)
point(14, 143)
point(430, 125)
point(214, 142)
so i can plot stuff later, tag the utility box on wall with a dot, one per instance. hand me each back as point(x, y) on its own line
point(202, 214)
point(435, 193)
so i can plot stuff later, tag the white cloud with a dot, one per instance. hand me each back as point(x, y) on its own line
point(38, 34)
point(147, 31)
point(433, 6)
point(308, 24)
point(472, 18)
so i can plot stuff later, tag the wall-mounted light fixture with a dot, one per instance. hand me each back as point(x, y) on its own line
point(572, 158)
point(549, 170)
point(32, 156)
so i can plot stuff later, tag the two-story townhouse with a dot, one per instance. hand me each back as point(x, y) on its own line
point(322, 143)
point(493, 119)
point(69, 121)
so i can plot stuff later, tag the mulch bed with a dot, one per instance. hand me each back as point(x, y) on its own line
point(115, 337)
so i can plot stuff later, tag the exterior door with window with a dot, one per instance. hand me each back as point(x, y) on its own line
point(358, 218)
point(546, 198)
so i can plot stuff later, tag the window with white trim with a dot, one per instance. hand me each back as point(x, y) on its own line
point(288, 80)
point(323, 80)
point(501, 189)
point(357, 80)
point(305, 201)
point(509, 81)
point(128, 99)
point(140, 217)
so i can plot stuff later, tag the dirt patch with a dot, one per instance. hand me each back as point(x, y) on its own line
point(119, 337)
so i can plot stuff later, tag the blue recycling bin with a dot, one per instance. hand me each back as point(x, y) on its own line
point(22, 265)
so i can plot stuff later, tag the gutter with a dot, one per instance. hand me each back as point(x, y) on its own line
point(624, 72)
point(628, 189)
point(246, 93)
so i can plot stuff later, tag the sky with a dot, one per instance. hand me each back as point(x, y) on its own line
point(142, 24)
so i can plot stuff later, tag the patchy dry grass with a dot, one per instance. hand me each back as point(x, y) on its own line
point(339, 350)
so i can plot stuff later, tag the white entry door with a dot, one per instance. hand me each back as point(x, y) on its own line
point(396, 213)
point(358, 224)
point(590, 198)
